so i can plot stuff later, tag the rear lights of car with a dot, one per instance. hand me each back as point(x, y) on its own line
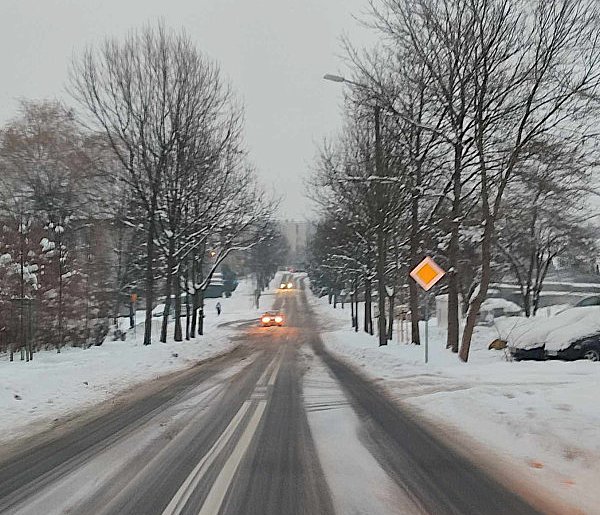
point(278, 319)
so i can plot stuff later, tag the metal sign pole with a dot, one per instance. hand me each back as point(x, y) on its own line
point(426, 274)
point(426, 328)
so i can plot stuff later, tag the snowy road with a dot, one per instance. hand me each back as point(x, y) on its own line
point(276, 427)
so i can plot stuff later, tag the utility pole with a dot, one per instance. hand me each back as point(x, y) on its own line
point(381, 233)
point(22, 300)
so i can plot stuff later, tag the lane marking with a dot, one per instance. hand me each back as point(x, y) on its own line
point(189, 485)
point(217, 493)
point(273, 377)
point(184, 493)
point(263, 378)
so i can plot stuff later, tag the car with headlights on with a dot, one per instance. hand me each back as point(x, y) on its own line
point(272, 318)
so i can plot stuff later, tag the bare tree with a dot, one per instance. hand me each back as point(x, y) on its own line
point(530, 235)
point(129, 90)
point(531, 84)
point(503, 74)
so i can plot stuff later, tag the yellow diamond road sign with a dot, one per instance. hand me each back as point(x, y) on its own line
point(427, 273)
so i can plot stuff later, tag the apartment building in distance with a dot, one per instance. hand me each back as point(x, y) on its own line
point(297, 235)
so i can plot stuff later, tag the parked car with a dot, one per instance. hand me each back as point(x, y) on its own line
point(571, 334)
point(592, 300)
point(533, 354)
point(584, 348)
point(496, 307)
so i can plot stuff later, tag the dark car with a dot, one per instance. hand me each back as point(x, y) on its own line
point(584, 348)
point(535, 354)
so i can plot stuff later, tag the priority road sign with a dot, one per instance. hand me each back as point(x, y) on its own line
point(427, 273)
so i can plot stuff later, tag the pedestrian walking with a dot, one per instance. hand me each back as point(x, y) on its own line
point(218, 308)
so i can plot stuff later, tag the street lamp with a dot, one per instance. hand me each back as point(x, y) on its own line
point(381, 237)
point(338, 78)
point(334, 78)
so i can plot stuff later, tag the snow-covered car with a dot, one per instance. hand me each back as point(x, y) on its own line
point(532, 354)
point(585, 348)
point(556, 336)
point(496, 307)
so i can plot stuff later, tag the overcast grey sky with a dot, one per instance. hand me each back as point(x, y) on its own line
point(274, 51)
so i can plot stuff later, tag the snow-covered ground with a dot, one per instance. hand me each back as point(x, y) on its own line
point(33, 395)
point(543, 418)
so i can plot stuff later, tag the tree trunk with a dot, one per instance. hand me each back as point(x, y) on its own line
point(356, 304)
point(453, 248)
point(194, 314)
point(356, 325)
point(414, 256)
point(390, 330)
point(60, 297)
point(178, 331)
point(188, 308)
point(368, 327)
point(149, 277)
point(540, 284)
point(168, 294)
point(486, 273)
point(352, 310)
point(414, 311)
point(200, 312)
point(453, 308)
point(381, 258)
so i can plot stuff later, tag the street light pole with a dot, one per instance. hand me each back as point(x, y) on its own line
point(22, 284)
point(381, 237)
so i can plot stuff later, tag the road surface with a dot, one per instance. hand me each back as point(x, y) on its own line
point(277, 427)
